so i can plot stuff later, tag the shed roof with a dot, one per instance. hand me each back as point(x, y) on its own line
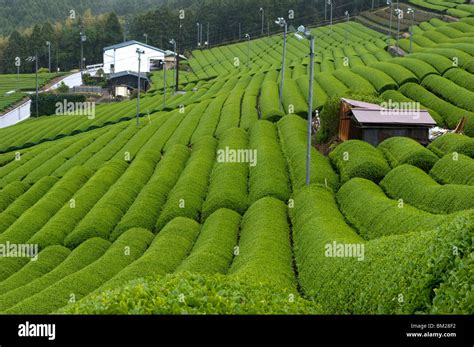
point(361, 104)
point(386, 116)
point(128, 73)
point(132, 42)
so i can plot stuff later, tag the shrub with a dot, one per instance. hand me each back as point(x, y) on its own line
point(47, 102)
point(292, 132)
point(85, 254)
point(11, 192)
point(354, 82)
point(293, 101)
point(69, 216)
point(331, 85)
point(264, 246)
point(204, 294)
point(215, 247)
point(398, 73)
point(418, 189)
point(128, 247)
point(249, 111)
point(319, 95)
point(450, 142)
point(420, 68)
point(403, 150)
point(269, 101)
point(188, 194)
point(356, 158)
point(209, 119)
point(450, 91)
point(461, 77)
point(380, 80)
point(458, 13)
point(228, 183)
point(440, 63)
point(373, 214)
point(454, 169)
point(269, 177)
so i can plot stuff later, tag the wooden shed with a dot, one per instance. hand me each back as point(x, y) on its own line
point(373, 123)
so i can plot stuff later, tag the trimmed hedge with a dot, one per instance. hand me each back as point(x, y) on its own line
point(11, 192)
point(145, 209)
point(440, 63)
point(214, 249)
point(188, 194)
point(292, 132)
point(418, 67)
point(454, 169)
point(209, 120)
point(67, 218)
point(264, 247)
point(418, 189)
point(461, 77)
point(85, 254)
point(403, 150)
point(450, 142)
point(269, 101)
point(229, 179)
point(293, 99)
point(398, 73)
point(319, 95)
point(450, 91)
point(373, 214)
point(330, 84)
point(356, 158)
point(269, 177)
point(354, 82)
point(380, 80)
point(128, 247)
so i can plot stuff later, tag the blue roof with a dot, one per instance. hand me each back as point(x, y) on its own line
point(132, 42)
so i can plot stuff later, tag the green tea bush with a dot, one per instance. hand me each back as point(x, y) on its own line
point(264, 254)
point(145, 209)
point(450, 142)
point(215, 247)
point(404, 150)
point(11, 192)
point(356, 158)
point(293, 100)
point(292, 133)
point(229, 178)
point(330, 84)
point(269, 101)
point(454, 169)
point(187, 196)
point(203, 294)
point(418, 189)
point(373, 214)
point(88, 252)
point(354, 82)
point(209, 120)
point(398, 73)
point(269, 177)
point(128, 247)
point(380, 80)
point(112, 206)
point(450, 91)
point(319, 95)
point(461, 77)
point(440, 63)
point(68, 217)
point(249, 111)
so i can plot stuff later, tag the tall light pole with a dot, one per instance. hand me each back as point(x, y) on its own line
point(247, 36)
point(146, 38)
point(207, 42)
point(262, 11)
point(306, 33)
point(173, 42)
point(412, 12)
point(35, 59)
point(330, 16)
point(139, 52)
point(282, 23)
point(200, 37)
point(164, 84)
point(325, 11)
point(49, 55)
point(240, 31)
point(399, 13)
point(83, 39)
point(390, 3)
point(347, 26)
point(198, 42)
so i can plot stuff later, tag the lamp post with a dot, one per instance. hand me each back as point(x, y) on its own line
point(146, 38)
point(412, 12)
point(164, 84)
point(139, 52)
point(262, 11)
point(390, 3)
point(306, 33)
point(83, 39)
point(347, 26)
point(247, 36)
point(330, 14)
point(207, 42)
point(173, 42)
point(49, 55)
point(399, 13)
point(198, 42)
point(35, 59)
point(282, 23)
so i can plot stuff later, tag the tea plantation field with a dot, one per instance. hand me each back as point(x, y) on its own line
point(165, 218)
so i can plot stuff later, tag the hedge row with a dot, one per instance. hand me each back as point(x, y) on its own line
point(144, 211)
point(440, 63)
point(269, 101)
point(354, 82)
point(461, 77)
point(398, 73)
point(454, 169)
point(249, 111)
point(404, 150)
point(292, 132)
point(163, 135)
point(450, 91)
point(330, 84)
point(69, 216)
point(450, 142)
point(188, 194)
point(209, 120)
point(293, 100)
point(418, 189)
point(38, 215)
point(319, 95)
point(356, 158)
point(215, 247)
point(79, 258)
point(373, 214)
point(47, 260)
point(264, 247)
point(11, 192)
point(270, 175)
point(404, 269)
point(166, 252)
point(228, 183)
point(129, 247)
point(107, 212)
point(380, 80)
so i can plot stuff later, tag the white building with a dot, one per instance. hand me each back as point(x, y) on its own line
point(124, 57)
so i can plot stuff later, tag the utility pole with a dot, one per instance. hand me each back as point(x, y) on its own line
point(49, 55)
point(198, 42)
point(140, 52)
point(330, 2)
point(347, 27)
point(310, 109)
point(399, 13)
point(262, 11)
point(412, 12)
point(164, 84)
point(240, 31)
point(390, 3)
point(247, 36)
point(208, 43)
point(173, 42)
point(83, 39)
point(325, 11)
point(282, 23)
point(146, 38)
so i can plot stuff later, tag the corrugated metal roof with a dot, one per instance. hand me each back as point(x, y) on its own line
point(132, 42)
point(385, 116)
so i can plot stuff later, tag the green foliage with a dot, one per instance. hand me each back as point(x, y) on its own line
point(356, 83)
point(203, 294)
point(404, 150)
point(398, 73)
point(373, 214)
point(264, 247)
point(461, 77)
point(215, 246)
point(356, 158)
point(440, 63)
point(450, 91)
point(269, 101)
point(418, 189)
point(11, 192)
point(454, 169)
point(331, 85)
point(450, 142)
point(209, 119)
point(293, 101)
point(319, 95)
point(380, 80)
point(47, 102)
